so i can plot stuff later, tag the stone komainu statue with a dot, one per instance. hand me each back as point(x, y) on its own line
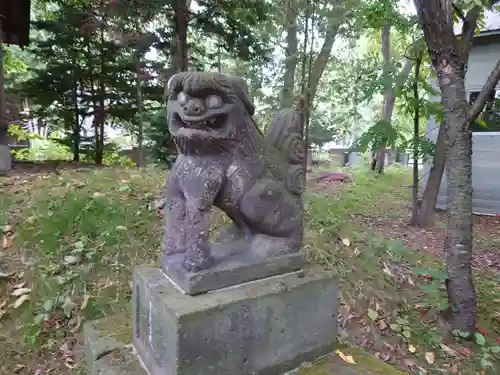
point(225, 161)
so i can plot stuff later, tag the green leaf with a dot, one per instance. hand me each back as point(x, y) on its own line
point(124, 188)
point(406, 333)
point(485, 363)
point(480, 339)
point(372, 314)
point(481, 123)
point(40, 317)
point(495, 349)
point(395, 327)
point(48, 305)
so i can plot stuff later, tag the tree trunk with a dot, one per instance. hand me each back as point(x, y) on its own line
point(431, 191)
point(76, 123)
point(140, 125)
point(458, 245)
point(389, 99)
point(101, 118)
point(416, 138)
point(291, 52)
point(5, 158)
point(181, 16)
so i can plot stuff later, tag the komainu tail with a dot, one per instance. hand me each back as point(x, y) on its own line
point(284, 134)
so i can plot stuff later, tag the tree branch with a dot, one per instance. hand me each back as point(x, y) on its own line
point(461, 14)
point(489, 86)
point(468, 30)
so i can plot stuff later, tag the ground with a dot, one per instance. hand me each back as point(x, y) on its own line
point(72, 236)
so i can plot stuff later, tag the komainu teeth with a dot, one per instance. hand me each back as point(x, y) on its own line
point(211, 120)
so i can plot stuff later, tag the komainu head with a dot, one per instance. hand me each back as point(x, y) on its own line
point(207, 112)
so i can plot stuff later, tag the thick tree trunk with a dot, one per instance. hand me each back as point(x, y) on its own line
point(291, 52)
point(181, 16)
point(461, 291)
point(431, 191)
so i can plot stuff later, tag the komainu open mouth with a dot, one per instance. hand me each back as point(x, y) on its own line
point(208, 125)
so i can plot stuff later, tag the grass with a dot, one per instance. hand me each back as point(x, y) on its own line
point(79, 233)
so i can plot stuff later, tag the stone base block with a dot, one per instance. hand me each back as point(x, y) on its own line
point(108, 347)
point(236, 268)
point(265, 327)
point(5, 159)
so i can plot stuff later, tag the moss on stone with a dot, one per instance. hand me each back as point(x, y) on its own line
point(366, 364)
point(117, 326)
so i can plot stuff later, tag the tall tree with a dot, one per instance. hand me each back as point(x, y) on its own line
point(449, 55)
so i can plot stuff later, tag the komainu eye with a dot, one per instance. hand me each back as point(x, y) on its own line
point(214, 101)
point(182, 98)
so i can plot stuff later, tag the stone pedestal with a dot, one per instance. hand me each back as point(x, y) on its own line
point(5, 159)
point(265, 327)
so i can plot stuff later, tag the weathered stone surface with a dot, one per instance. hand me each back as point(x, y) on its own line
point(265, 327)
point(5, 159)
point(233, 269)
point(108, 349)
point(225, 161)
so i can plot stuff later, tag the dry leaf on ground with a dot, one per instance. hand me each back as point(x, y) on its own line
point(21, 300)
point(346, 358)
point(20, 292)
point(430, 357)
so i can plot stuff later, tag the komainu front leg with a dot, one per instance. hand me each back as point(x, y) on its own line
point(200, 193)
point(198, 255)
point(175, 219)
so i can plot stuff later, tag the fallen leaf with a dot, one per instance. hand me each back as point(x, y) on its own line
point(409, 362)
point(346, 242)
point(68, 306)
point(121, 228)
point(8, 240)
point(467, 352)
point(410, 280)
point(20, 285)
point(20, 292)
point(430, 357)
point(372, 314)
point(382, 324)
point(346, 358)
point(71, 259)
point(21, 300)
point(86, 298)
point(7, 229)
point(448, 350)
point(412, 348)
point(19, 368)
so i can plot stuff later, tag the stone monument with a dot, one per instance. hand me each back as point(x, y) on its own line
point(248, 303)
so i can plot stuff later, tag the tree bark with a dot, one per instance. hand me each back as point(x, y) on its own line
point(447, 56)
point(416, 137)
point(461, 289)
point(431, 191)
point(387, 107)
point(291, 52)
point(181, 17)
